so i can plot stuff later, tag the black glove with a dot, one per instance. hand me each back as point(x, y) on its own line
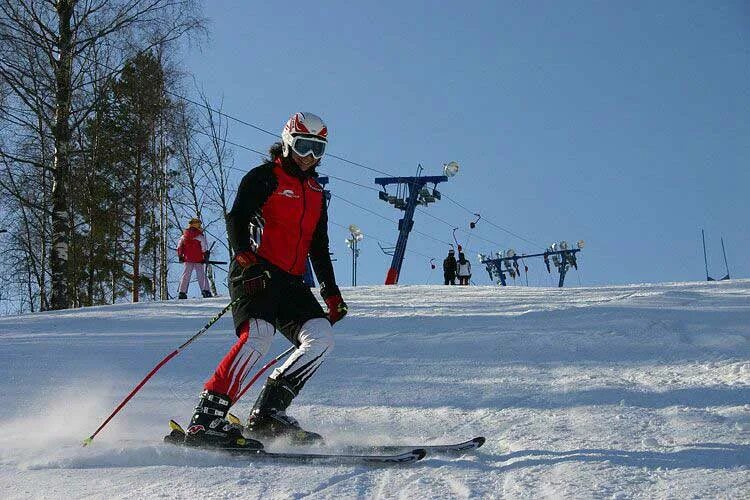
point(253, 280)
point(181, 258)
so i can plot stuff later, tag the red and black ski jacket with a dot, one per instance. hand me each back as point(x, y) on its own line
point(280, 213)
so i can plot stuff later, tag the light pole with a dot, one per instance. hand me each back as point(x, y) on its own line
point(353, 243)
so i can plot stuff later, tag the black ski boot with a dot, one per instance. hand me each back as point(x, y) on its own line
point(210, 428)
point(206, 294)
point(268, 420)
point(182, 295)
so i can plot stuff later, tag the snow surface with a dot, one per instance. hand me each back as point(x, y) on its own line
point(616, 392)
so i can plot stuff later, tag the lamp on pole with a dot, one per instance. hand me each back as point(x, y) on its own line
point(353, 243)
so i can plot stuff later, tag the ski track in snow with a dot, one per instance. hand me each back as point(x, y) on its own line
point(607, 392)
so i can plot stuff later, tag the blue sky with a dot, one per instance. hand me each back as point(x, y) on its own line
point(624, 124)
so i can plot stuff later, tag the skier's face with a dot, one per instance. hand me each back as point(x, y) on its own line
point(304, 163)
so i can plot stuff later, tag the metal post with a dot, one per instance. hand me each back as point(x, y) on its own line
point(725, 259)
point(404, 228)
point(354, 261)
point(563, 269)
point(705, 260)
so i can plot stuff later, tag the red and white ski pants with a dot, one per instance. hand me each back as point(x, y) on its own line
point(314, 343)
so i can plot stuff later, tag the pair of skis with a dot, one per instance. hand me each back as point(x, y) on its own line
point(387, 454)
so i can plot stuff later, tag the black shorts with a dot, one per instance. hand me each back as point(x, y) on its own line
point(287, 302)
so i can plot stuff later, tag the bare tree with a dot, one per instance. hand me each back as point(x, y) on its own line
point(46, 53)
point(219, 162)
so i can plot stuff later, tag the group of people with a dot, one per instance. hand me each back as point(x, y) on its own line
point(453, 268)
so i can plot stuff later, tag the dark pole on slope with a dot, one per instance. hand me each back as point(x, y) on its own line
point(705, 261)
point(163, 362)
point(725, 259)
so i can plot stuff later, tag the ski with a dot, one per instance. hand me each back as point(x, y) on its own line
point(464, 446)
point(453, 448)
point(436, 449)
point(176, 437)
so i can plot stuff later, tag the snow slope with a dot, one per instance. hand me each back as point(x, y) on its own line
point(617, 392)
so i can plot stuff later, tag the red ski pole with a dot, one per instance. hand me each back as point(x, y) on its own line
point(163, 362)
point(263, 370)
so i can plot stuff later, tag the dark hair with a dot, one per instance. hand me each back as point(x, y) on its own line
point(461, 257)
point(276, 150)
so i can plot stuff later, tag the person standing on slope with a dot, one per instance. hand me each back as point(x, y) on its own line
point(449, 268)
point(192, 251)
point(463, 269)
point(279, 216)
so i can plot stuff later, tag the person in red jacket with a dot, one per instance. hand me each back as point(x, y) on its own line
point(192, 250)
point(278, 218)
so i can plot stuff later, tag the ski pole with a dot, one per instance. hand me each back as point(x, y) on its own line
point(262, 370)
point(163, 362)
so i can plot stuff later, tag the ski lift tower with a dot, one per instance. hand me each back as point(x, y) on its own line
point(562, 257)
point(410, 192)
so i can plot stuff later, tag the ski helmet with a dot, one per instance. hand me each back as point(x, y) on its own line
point(305, 133)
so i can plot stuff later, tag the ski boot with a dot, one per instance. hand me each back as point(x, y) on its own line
point(268, 420)
point(209, 427)
point(206, 294)
point(182, 295)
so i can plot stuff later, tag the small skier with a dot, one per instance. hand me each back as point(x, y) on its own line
point(279, 216)
point(449, 268)
point(192, 250)
point(464, 269)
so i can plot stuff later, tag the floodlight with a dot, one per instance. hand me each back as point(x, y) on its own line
point(354, 229)
point(450, 169)
point(563, 245)
point(580, 244)
point(510, 252)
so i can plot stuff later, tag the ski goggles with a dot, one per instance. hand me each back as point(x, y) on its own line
point(304, 146)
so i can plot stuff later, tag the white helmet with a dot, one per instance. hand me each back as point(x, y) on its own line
point(305, 133)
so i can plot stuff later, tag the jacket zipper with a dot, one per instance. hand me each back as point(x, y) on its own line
point(302, 218)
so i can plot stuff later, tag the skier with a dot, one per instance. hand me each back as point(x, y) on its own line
point(464, 269)
point(277, 219)
point(449, 268)
point(192, 250)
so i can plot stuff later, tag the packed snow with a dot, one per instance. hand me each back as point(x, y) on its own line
point(613, 392)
